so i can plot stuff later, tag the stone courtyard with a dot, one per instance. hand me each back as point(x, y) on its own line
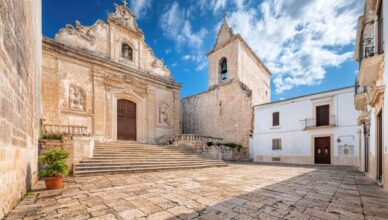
point(237, 191)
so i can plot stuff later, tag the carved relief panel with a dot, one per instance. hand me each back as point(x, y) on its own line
point(163, 114)
point(77, 98)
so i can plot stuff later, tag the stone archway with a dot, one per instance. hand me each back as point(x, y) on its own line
point(141, 114)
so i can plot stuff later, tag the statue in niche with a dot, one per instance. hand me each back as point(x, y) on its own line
point(126, 52)
point(163, 115)
point(77, 98)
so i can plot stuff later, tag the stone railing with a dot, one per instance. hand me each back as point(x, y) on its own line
point(70, 130)
point(196, 138)
point(216, 150)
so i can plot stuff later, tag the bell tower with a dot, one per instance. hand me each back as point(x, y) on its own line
point(232, 59)
point(223, 57)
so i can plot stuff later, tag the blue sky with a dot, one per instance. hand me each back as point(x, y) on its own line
point(306, 44)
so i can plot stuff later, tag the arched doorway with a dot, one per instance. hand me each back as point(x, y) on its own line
point(126, 120)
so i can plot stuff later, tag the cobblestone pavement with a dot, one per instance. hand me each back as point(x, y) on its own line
point(238, 191)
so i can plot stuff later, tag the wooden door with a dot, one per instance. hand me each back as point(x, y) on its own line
point(322, 115)
point(126, 120)
point(379, 176)
point(322, 150)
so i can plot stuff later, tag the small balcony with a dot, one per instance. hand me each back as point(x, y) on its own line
point(312, 123)
point(360, 97)
point(372, 54)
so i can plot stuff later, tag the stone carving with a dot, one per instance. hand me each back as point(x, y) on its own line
point(77, 98)
point(126, 52)
point(79, 30)
point(124, 17)
point(128, 91)
point(163, 113)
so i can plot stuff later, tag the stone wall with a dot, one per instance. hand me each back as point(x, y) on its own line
point(102, 83)
point(78, 147)
point(85, 74)
point(20, 63)
point(224, 111)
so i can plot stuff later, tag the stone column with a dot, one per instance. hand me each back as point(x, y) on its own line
point(99, 104)
point(151, 115)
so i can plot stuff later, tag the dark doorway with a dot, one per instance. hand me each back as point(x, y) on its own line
point(366, 144)
point(126, 120)
point(379, 147)
point(322, 150)
point(322, 115)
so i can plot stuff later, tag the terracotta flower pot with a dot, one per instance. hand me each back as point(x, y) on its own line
point(54, 182)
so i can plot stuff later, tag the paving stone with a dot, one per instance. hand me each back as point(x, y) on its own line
point(238, 191)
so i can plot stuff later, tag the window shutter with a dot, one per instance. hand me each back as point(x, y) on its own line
point(276, 144)
point(275, 119)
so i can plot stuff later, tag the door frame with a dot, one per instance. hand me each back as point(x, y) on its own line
point(142, 130)
point(135, 130)
point(312, 157)
point(379, 146)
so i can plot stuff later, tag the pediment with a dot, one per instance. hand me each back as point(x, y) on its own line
point(124, 17)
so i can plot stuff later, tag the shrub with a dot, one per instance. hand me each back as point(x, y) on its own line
point(219, 144)
point(53, 163)
point(234, 145)
point(44, 136)
point(210, 143)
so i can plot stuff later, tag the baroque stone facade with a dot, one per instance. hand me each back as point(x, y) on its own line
point(371, 86)
point(93, 75)
point(238, 80)
point(20, 65)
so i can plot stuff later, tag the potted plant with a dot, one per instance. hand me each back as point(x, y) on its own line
point(54, 168)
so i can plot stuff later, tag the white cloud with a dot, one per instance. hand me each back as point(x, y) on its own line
point(199, 59)
point(239, 3)
point(213, 5)
point(176, 26)
point(140, 7)
point(296, 39)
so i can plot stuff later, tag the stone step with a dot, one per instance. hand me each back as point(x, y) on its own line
point(134, 157)
point(138, 160)
point(146, 162)
point(142, 156)
point(143, 165)
point(140, 148)
point(148, 169)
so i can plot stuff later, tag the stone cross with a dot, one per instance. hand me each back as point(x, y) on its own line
point(225, 15)
point(125, 3)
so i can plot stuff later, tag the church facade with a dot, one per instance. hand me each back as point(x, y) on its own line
point(237, 81)
point(106, 80)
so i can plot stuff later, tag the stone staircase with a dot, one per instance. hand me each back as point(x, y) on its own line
point(120, 156)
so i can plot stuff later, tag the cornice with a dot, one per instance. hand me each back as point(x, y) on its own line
point(87, 57)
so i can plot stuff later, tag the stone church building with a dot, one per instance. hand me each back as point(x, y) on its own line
point(238, 80)
point(106, 80)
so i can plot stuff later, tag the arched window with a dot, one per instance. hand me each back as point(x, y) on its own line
point(224, 69)
point(126, 52)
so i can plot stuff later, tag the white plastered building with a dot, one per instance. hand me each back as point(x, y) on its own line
point(320, 128)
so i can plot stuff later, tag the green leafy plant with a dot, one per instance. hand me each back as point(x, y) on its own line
point(53, 163)
point(210, 143)
point(218, 144)
point(234, 146)
point(44, 136)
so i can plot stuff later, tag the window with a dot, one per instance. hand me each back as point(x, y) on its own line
point(322, 115)
point(126, 52)
point(276, 144)
point(275, 119)
point(224, 69)
point(380, 31)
